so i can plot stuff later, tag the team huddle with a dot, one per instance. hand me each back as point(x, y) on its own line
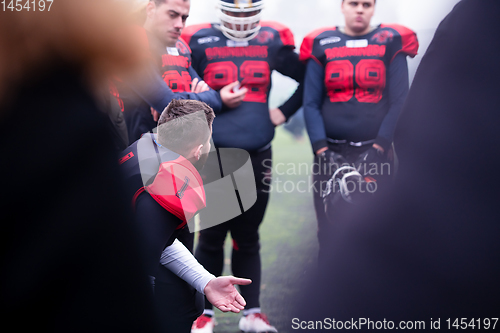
point(209, 84)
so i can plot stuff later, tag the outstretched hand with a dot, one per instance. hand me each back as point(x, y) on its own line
point(223, 295)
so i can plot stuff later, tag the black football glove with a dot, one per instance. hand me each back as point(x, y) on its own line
point(347, 184)
point(333, 158)
point(372, 155)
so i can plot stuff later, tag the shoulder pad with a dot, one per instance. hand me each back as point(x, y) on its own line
point(307, 44)
point(178, 188)
point(286, 34)
point(409, 41)
point(189, 31)
point(182, 46)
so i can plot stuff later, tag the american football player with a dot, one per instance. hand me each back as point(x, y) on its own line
point(168, 74)
point(355, 86)
point(162, 181)
point(236, 57)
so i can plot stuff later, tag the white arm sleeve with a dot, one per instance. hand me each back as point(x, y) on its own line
point(182, 263)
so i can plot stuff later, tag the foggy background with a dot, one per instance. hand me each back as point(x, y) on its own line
point(304, 16)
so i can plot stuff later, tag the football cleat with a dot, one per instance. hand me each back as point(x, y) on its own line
point(256, 323)
point(240, 18)
point(203, 324)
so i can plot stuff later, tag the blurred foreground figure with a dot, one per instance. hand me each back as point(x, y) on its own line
point(70, 259)
point(429, 248)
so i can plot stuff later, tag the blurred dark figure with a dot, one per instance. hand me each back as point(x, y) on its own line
point(112, 105)
point(70, 258)
point(430, 248)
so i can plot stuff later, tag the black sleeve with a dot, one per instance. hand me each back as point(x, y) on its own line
point(288, 64)
point(158, 227)
point(397, 88)
point(116, 123)
point(313, 99)
point(211, 97)
point(151, 88)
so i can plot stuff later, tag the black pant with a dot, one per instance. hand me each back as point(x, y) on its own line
point(187, 238)
point(178, 304)
point(245, 260)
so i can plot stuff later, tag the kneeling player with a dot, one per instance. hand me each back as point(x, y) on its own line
point(167, 191)
point(236, 58)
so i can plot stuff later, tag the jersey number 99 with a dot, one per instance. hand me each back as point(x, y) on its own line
point(369, 76)
point(255, 76)
point(176, 81)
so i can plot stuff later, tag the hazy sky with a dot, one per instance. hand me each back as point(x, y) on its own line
point(306, 15)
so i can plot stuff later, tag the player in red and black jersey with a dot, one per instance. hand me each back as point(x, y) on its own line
point(166, 191)
point(168, 74)
point(243, 65)
point(236, 58)
point(429, 247)
point(355, 86)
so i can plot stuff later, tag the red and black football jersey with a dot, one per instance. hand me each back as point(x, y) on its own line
point(221, 61)
point(166, 76)
point(174, 67)
point(355, 76)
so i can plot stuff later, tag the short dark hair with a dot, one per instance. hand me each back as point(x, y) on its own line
point(183, 125)
point(374, 1)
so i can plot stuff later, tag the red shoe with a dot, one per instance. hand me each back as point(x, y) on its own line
point(203, 324)
point(256, 322)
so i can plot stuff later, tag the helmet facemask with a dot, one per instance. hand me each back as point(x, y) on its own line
point(240, 19)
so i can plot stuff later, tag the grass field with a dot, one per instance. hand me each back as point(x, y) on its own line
point(288, 235)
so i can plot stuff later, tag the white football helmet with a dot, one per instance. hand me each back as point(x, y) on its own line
point(240, 18)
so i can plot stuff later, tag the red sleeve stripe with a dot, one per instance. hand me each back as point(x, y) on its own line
point(286, 34)
point(185, 44)
point(136, 195)
point(189, 31)
point(409, 40)
point(307, 44)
